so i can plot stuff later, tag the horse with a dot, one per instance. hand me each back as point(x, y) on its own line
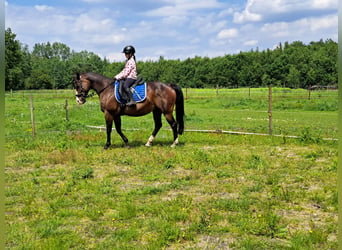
point(161, 98)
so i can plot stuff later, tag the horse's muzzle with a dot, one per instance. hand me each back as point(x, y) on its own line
point(81, 98)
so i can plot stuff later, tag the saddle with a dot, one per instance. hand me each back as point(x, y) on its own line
point(138, 90)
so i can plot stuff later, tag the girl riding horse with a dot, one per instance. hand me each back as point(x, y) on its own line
point(161, 99)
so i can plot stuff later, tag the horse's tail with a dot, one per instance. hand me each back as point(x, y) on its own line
point(179, 108)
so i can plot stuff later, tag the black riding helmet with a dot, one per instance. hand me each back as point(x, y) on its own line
point(129, 49)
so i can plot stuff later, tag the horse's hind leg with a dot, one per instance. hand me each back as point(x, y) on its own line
point(109, 125)
point(171, 120)
point(117, 122)
point(157, 125)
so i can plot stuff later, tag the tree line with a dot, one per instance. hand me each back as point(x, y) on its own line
point(293, 65)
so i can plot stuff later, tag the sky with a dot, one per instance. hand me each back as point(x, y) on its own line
point(173, 29)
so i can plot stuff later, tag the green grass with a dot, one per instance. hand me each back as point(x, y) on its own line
point(63, 191)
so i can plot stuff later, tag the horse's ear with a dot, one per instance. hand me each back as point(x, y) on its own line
point(78, 77)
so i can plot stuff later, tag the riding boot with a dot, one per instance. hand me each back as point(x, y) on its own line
point(131, 101)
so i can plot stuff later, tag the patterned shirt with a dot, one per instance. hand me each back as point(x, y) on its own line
point(129, 71)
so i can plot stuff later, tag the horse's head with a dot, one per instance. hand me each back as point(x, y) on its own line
point(82, 87)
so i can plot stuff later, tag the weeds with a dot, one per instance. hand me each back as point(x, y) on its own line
point(307, 137)
point(83, 173)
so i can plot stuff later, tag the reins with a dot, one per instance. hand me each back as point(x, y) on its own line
point(103, 89)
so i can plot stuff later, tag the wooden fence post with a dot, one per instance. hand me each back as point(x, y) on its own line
point(66, 110)
point(270, 125)
point(32, 116)
point(309, 94)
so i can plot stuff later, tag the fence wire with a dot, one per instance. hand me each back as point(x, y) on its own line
point(56, 110)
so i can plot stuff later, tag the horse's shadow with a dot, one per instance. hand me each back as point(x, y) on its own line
point(137, 144)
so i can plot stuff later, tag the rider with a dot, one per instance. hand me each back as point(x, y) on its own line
point(129, 73)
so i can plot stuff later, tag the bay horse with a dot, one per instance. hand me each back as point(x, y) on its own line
point(161, 98)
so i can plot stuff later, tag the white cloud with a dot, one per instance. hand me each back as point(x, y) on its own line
point(257, 10)
point(279, 6)
point(328, 22)
point(247, 15)
point(102, 39)
point(87, 23)
point(250, 43)
point(224, 37)
point(227, 33)
point(280, 29)
point(301, 27)
point(324, 4)
point(207, 24)
point(199, 4)
point(43, 8)
point(167, 11)
point(183, 7)
point(94, 1)
point(175, 20)
point(226, 12)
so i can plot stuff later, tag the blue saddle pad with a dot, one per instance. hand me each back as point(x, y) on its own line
point(139, 93)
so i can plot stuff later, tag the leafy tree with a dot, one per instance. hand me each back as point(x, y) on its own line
point(295, 65)
point(293, 78)
point(26, 62)
point(38, 80)
point(48, 50)
point(13, 58)
point(266, 80)
point(93, 61)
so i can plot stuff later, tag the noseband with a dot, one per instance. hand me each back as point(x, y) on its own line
point(85, 96)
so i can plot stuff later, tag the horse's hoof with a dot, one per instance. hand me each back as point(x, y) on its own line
point(149, 141)
point(174, 143)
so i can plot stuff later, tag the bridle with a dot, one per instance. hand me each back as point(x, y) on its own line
point(85, 96)
point(83, 93)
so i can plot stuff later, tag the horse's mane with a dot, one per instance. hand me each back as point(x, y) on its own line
point(96, 77)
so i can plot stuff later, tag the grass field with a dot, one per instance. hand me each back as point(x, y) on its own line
point(213, 191)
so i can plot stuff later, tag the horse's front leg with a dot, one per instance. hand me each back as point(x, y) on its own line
point(117, 122)
point(109, 126)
